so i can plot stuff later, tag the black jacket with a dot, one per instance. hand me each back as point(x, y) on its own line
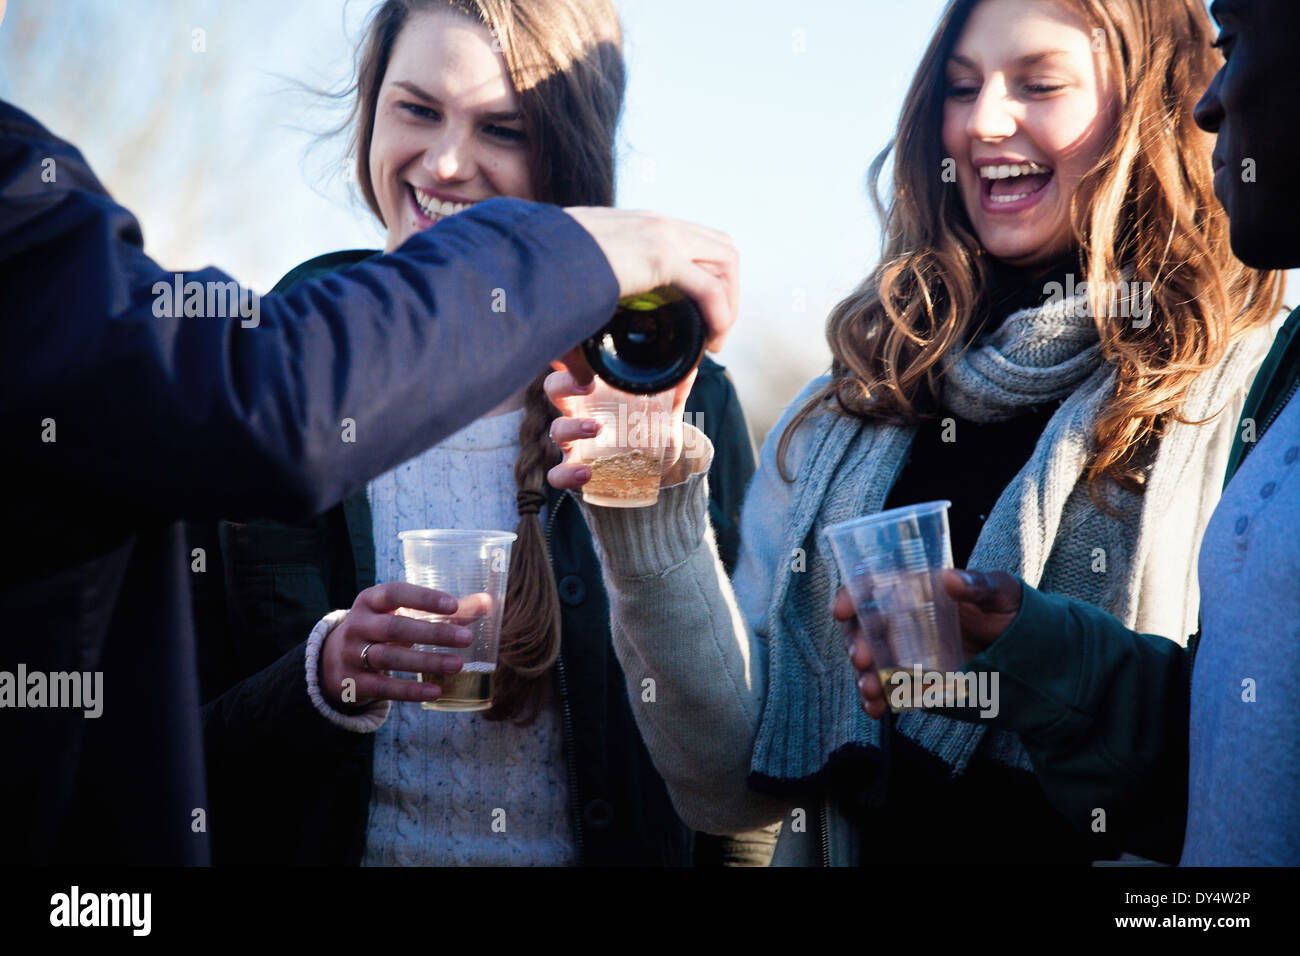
point(287, 786)
point(121, 417)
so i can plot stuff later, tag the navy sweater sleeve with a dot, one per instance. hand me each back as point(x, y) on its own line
point(1103, 713)
point(339, 380)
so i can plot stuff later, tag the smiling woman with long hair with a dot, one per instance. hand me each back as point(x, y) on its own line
point(1132, 202)
point(1058, 340)
point(456, 102)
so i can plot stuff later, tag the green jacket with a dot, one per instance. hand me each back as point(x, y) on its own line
point(1106, 724)
point(287, 786)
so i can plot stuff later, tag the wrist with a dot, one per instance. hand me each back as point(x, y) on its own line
point(366, 719)
point(331, 683)
point(694, 455)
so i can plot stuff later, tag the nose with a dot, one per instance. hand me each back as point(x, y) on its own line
point(450, 156)
point(1209, 111)
point(990, 115)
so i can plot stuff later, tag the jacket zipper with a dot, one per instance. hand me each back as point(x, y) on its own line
point(566, 711)
point(1277, 410)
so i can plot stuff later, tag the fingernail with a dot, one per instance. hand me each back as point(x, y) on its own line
point(967, 579)
point(430, 691)
point(590, 428)
point(447, 604)
point(582, 474)
point(464, 635)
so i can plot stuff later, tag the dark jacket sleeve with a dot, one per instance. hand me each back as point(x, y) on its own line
point(284, 784)
point(1103, 713)
point(271, 710)
point(338, 381)
point(265, 587)
point(254, 691)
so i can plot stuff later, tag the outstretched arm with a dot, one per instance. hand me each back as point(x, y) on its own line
point(1102, 710)
point(289, 407)
point(692, 647)
point(216, 403)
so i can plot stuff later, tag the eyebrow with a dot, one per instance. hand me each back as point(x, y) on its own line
point(1030, 59)
point(500, 116)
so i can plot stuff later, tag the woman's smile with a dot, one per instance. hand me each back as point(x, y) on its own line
point(1028, 114)
point(430, 207)
point(1009, 186)
point(448, 131)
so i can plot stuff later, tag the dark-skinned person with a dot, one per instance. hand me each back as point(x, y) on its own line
point(457, 101)
point(1043, 145)
point(126, 415)
point(1193, 753)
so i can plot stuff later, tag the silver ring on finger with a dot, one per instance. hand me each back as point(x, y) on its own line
point(365, 661)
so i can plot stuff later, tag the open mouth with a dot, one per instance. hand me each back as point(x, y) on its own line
point(430, 208)
point(1012, 184)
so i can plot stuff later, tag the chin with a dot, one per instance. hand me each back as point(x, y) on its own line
point(1017, 248)
point(1265, 245)
point(1019, 253)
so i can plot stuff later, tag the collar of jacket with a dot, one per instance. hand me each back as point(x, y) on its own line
point(1274, 383)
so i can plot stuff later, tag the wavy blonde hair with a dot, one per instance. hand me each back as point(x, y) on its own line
point(1148, 204)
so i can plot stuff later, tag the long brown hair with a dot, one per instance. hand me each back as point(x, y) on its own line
point(1148, 204)
point(565, 62)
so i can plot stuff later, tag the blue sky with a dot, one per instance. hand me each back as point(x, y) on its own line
point(759, 118)
point(753, 116)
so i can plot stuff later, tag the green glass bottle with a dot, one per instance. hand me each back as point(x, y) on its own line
point(651, 344)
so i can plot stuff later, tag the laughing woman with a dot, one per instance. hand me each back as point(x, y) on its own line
point(1080, 433)
point(457, 101)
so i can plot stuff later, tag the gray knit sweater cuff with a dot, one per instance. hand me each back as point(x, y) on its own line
point(649, 542)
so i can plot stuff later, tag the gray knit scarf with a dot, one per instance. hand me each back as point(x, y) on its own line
point(1038, 355)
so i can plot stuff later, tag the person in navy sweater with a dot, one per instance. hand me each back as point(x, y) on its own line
point(122, 416)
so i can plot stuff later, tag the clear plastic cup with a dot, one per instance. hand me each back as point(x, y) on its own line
point(626, 458)
point(472, 566)
point(893, 563)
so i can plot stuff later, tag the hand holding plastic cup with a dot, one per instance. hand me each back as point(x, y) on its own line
point(627, 457)
point(473, 566)
point(892, 563)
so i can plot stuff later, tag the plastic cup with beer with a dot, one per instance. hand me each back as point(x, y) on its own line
point(627, 457)
point(893, 563)
point(472, 566)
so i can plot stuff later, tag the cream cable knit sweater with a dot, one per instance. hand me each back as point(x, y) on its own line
point(452, 788)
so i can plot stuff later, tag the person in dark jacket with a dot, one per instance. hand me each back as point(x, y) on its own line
point(1192, 754)
point(301, 774)
point(125, 415)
